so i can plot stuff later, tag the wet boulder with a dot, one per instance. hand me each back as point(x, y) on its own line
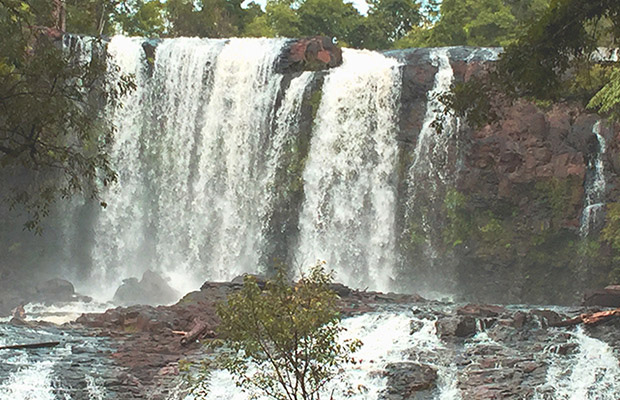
point(310, 54)
point(547, 318)
point(409, 381)
point(261, 280)
point(457, 326)
point(55, 291)
point(151, 290)
point(481, 310)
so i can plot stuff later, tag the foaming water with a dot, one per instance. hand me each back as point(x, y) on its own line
point(63, 313)
point(348, 213)
point(592, 373)
point(72, 370)
point(33, 381)
point(386, 339)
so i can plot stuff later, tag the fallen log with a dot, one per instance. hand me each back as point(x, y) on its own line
point(589, 319)
point(30, 346)
point(568, 322)
point(198, 332)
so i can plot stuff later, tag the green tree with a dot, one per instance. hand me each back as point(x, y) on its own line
point(279, 19)
point(476, 23)
point(52, 134)
point(333, 18)
point(93, 17)
point(287, 333)
point(206, 18)
point(388, 21)
point(142, 18)
point(551, 61)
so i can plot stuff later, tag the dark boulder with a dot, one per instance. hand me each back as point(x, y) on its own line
point(458, 326)
point(340, 289)
point(409, 381)
point(261, 280)
point(55, 291)
point(608, 297)
point(481, 310)
point(151, 290)
point(547, 317)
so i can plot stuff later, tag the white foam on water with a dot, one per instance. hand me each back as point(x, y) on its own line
point(592, 373)
point(386, 339)
point(31, 382)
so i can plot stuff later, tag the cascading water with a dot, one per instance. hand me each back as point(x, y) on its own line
point(433, 168)
point(593, 372)
point(225, 230)
point(196, 159)
point(118, 232)
point(44, 374)
point(595, 187)
point(347, 218)
point(430, 155)
point(386, 338)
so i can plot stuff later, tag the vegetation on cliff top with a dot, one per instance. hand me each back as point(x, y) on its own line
point(553, 60)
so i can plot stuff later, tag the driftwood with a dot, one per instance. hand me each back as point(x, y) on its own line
point(198, 332)
point(589, 319)
point(30, 346)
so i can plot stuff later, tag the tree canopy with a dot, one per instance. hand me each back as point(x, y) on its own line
point(52, 134)
point(476, 23)
point(555, 59)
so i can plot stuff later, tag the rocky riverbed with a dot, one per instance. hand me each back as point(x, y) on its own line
point(413, 349)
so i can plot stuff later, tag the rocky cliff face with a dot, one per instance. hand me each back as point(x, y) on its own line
point(507, 219)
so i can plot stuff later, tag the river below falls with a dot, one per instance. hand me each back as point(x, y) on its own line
point(404, 349)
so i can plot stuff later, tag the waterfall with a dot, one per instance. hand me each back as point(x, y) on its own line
point(225, 226)
point(347, 217)
point(196, 158)
point(118, 232)
point(595, 187)
point(431, 171)
point(430, 155)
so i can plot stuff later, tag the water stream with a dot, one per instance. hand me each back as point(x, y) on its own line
point(347, 218)
point(595, 186)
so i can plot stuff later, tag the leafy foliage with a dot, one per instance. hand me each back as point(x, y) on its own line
point(551, 61)
point(607, 100)
point(285, 338)
point(52, 135)
point(475, 23)
point(388, 21)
